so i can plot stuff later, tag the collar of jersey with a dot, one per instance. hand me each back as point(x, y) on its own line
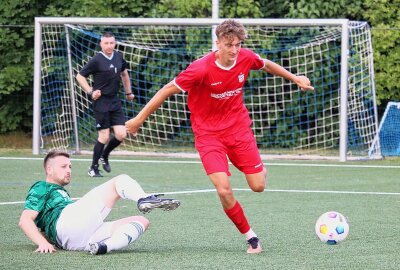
point(224, 68)
point(109, 58)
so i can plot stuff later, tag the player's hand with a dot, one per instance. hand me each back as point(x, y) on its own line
point(304, 83)
point(45, 248)
point(132, 126)
point(130, 97)
point(96, 94)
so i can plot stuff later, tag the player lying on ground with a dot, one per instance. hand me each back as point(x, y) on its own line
point(80, 225)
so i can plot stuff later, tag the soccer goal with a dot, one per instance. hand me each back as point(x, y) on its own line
point(338, 119)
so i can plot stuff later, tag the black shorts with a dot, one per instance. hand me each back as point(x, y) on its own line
point(109, 119)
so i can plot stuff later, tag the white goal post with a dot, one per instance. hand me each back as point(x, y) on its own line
point(339, 119)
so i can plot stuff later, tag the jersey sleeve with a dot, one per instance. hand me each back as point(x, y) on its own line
point(36, 197)
point(190, 77)
point(89, 68)
point(257, 61)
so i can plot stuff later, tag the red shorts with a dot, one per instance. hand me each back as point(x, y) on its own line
point(240, 148)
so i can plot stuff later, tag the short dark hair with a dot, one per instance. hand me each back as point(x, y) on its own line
point(230, 29)
point(53, 154)
point(107, 34)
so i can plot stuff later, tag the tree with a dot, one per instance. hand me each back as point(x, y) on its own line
point(349, 9)
point(203, 9)
point(16, 49)
point(181, 9)
point(384, 16)
point(16, 66)
point(16, 29)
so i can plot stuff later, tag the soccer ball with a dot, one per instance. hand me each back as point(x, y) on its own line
point(332, 227)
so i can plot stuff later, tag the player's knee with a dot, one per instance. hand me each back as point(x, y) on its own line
point(123, 176)
point(224, 192)
point(142, 220)
point(121, 179)
point(259, 184)
point(259, 187)
point(264, 177)
point(120, 135)
point(103, 136)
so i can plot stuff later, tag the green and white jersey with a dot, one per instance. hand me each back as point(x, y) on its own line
point(49, 200)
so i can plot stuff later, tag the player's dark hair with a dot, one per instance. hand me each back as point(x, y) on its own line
point(53, 154)
point(230, 29)
point(107, 34)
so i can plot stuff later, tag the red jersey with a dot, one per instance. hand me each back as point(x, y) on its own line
point(215, 93)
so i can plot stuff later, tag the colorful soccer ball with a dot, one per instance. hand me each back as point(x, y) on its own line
point(332, 227)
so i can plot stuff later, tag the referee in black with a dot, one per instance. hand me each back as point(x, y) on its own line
point(108, 68)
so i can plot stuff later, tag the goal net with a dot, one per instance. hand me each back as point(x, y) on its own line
point(338, 119)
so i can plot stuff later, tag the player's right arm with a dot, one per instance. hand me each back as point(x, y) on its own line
point(28, 226)
point(133, 125)
point(94, 94)
point(84, 84)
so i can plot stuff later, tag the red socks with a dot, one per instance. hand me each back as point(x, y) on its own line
point(237, 216)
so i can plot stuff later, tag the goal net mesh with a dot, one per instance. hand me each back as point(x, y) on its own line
point(285, 119)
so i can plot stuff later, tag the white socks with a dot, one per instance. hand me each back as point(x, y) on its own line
point(128, 188)
point(250, 234)
point(124, 235)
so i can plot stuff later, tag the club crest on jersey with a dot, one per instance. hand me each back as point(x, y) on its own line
point(241, 77)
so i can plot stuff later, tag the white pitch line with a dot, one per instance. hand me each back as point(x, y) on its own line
point(114, 160)
point(291, 191)
point(246, 189)
point(199, 162)
point(327, 191)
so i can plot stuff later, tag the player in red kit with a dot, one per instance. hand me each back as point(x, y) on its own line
point(220, 120)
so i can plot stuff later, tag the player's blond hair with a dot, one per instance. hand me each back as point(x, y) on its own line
point(230, 29)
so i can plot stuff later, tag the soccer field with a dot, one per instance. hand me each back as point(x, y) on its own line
point(198, 235)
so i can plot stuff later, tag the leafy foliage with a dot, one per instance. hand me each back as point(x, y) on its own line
point(240, 9)
point(16, 29)
point(323, 9)
point(181, 9)
point(16, 66)
point(384, 15)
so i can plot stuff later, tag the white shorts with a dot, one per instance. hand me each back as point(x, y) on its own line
point(82, 222)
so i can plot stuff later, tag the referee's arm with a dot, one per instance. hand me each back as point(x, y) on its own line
point(126, 82)
point(84, 84)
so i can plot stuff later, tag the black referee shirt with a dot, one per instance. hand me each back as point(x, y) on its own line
point(106, 72)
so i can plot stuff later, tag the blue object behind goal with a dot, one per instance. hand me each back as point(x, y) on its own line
point(389, 130)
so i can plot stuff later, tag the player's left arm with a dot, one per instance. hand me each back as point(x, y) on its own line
point(302, 81)
point(126, 82)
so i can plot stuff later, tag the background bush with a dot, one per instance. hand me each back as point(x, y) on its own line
point(17, 31)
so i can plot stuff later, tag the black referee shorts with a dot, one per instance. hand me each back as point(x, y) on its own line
point(108, 119)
